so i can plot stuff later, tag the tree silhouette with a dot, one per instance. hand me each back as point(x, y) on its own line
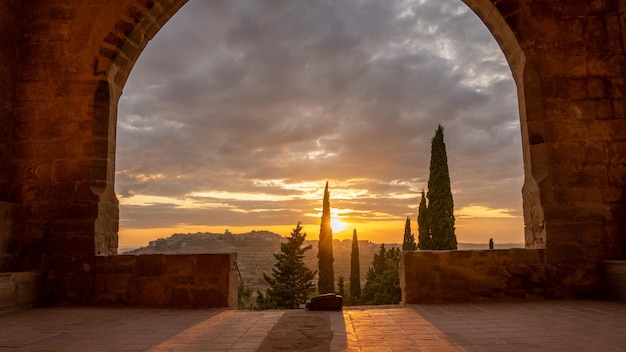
point(291, 281)
point(440, 208)
point(326, 281)
point(383, 280)
point(408, 244)
point(355, 270)
point(422, 225)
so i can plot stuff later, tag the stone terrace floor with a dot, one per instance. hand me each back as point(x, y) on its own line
point(527, 326)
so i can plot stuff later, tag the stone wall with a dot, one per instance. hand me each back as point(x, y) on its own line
point(185, 280)
point(6, 235)
point(573, 96)
point(8, 43)
point(461, 276)
point(19, 290)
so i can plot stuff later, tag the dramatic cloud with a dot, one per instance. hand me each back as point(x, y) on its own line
point(239, 110)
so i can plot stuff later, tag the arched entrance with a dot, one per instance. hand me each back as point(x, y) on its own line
point(70, 64)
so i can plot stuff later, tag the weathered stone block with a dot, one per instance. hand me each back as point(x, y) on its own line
point(615, 276)
point(149, 265)
point(596, 88)
point(115, 264)
point(520, 269)
point(180, 265)
point(582, 176)
point(596, 153)
point(571, 254)
point(578, 195)
point(148, 291)
point(114, 283)
point(27, 293)
point(604, 109)
point(181, 297)
point(7, 294)
point(176, 281)
point(432, 276)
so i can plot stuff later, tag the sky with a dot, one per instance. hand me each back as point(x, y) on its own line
point(238, 111)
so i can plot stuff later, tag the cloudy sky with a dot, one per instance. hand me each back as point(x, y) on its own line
point(238, 111)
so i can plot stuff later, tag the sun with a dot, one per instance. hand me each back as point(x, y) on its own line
point(338, 225)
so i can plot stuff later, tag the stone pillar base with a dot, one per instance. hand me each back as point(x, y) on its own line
point(615, 276)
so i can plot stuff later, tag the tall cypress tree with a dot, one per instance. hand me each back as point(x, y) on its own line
point(440, 204)
point(423, 230)
point(408, 244)
point(326, 281)
point(355, 270)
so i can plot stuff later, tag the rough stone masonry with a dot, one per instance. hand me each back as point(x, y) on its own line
point(63, 65)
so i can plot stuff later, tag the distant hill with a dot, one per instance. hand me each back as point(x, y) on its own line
point(255, 251)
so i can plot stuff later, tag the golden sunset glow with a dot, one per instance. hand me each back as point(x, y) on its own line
point(338, 225)
point(241, 132)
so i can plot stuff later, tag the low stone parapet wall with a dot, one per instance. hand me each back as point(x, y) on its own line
point(159, 280)
point(20, 290)
point(463, 276)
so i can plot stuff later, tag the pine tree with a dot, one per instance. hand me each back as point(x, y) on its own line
point(408, 244)
point(326, 281)
point(440, 212)
point(291, 281)
point(355, 270)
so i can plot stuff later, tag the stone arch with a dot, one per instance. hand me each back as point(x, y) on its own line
point(129, 40)
point(531, 120)
point(535, 158)
point(66, 64)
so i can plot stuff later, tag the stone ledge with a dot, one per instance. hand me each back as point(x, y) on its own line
point(464, 276)
point(160, 280)
point(20, 289)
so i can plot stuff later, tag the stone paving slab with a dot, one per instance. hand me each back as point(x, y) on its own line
point(300, 330)
point(521, 326)
point(525, 326)
point(134, 329)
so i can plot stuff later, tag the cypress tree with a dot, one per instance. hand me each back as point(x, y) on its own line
point(326, 281)
point(355, 270)
point(440, 204)
point(408, 244)
point(422, 225)
point(341, 286)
